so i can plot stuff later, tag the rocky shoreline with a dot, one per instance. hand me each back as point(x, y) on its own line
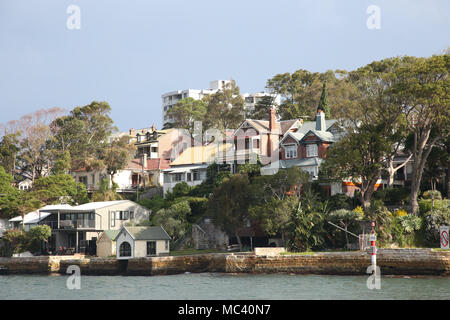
point(390, 261)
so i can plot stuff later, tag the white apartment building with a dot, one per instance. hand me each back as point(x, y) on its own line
point(171, 98)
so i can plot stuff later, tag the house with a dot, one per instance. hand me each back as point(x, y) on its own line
point(106, 243)
point(139, 242)
point(25, 184)
point(191, 165)
point(32, 219)
point(78, 227)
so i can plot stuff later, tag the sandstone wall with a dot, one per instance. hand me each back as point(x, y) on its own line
point(391, 262)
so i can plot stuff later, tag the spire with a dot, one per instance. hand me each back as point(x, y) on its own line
point(323, 103)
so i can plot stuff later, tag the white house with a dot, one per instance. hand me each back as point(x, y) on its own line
point(140, 242)
point(106, 243)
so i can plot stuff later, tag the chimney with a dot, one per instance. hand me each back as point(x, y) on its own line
point(153, 128)
point(132, 132)
point(272, 122)
point(320, 120)
point(145, 161)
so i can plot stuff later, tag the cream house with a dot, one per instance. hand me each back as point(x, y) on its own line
point(140, 242)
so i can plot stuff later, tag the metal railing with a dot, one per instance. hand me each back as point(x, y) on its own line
point(70, 224)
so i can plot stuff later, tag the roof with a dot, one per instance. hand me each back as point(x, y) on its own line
point(306, 162)
point(98, 205)
point(148, 233)
point(152, 164)
point(31, 217)
point(200, 154)
point(311, 126)
point(112, 234)
point(263, 125)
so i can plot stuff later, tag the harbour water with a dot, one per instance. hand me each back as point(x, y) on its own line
point(211, 286)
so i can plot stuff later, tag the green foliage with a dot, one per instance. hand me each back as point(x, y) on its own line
point(106, 192)
point(186, 112)
point(9, 149)
point(393, 196)
point(36, 235)
point(426, 205)
point(323, 103)
point(17, 241)
point(340, 201)
point(10, 197)
point(181, 189)
point(433, 220)
point(173, 219)
point(54, 188)
point(154, 204)
point(62, 163)
point(262, 108)
point(432, 194)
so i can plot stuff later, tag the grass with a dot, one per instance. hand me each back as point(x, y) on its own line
point(439, 249)
point(188, 252)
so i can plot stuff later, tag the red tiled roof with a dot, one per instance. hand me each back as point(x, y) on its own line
point(152, 164)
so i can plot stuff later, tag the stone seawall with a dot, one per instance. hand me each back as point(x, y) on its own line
point(391, 262)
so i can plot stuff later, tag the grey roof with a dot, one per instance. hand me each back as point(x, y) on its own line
point(307, 162)
point(311, 126)
point(148, 233)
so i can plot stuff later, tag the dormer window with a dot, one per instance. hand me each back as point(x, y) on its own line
point(311, 150)
point(147, 135)
point(139, 138)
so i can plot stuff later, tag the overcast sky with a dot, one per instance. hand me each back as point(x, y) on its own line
point(129, 52)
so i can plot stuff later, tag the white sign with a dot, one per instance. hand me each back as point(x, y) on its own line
point(443, 233)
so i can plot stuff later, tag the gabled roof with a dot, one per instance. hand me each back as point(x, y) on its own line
point(305, 162)
point(311, 126)
point(152, 164)
point(148, 233)
point(31, 217)
point(263, 125)
point(112, 234)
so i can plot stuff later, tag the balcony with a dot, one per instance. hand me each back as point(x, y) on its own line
point(70, 224)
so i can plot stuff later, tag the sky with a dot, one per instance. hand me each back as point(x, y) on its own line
point(130, 52)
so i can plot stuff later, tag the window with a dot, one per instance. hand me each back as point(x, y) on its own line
point(178, 177)
point(196, 174)
point(131, 215)
point(311, 150)
point(291, 151)
point(166, 245)
point(125, 249)
point(83, 180)
point(154, 149)
point(122, 215)
point(188, 176)
point(93, 179)
point(113, 219)
point(151, 248)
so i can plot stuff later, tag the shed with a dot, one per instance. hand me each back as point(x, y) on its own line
point(106, 243)
point(139, 242)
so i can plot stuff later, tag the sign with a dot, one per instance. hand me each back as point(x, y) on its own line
point(443, 232)
point(373, 237)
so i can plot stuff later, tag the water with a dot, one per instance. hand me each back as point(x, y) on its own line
point(223, 286)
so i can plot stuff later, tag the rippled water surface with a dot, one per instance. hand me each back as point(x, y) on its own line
point(223, 286)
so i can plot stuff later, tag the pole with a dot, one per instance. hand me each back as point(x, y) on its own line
point(373, 239)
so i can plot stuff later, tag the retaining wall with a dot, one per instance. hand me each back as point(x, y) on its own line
point(391, 262)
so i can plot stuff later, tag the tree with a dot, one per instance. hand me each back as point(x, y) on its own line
point(62, 163)
point(423, 90)
point(323, 103)
point(358, 156)
point(229, 203)
point(116, 156)
point(83, 132)
point(186, 112)
point(9, 149)
point(59, 189)
point(345, 218)
point(225, 108)
point(262, 108)
point(10, 197)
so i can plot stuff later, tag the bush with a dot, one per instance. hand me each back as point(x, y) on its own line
point(432, 194)
point(400, 213)
point(432, 221)
point(340, 201)
point(392, 196)
point(426, 205)
point(14, 241)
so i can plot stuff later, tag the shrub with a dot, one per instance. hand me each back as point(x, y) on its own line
point(14, 241)
point(400, 213)
point(391, 196)
point(426, 205)
point(432, 221)
point(432, 194)
point(340, 201)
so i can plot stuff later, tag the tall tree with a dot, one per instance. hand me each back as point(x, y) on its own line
point(262, 108)
point(323, 102)
point(423, 90)
point(117, 155)
point(225, 108)
point(9, 149)
point(229, 203)
point(83, 132)
point(186, 112)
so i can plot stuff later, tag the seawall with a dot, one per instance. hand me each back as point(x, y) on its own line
point(391, 262)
